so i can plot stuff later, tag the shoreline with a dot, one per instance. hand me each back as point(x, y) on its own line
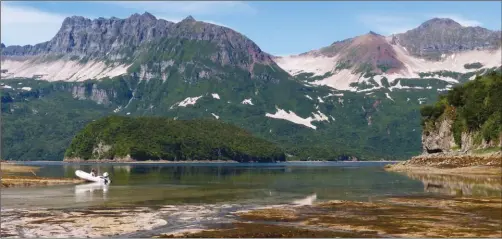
point(189, 162)
point(12, 176)
point(467, 164)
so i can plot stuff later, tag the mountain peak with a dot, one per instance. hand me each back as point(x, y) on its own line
point(440, 22)
point(145, 16)
point(373, 33)
point(189, 19)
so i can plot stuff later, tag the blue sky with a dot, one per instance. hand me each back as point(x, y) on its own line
point(280, 28)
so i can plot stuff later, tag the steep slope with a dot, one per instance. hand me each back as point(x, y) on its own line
point(438, 45)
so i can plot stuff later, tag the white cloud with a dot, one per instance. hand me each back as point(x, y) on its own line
point(23, 25)
point(186, 8)
point(460, 19)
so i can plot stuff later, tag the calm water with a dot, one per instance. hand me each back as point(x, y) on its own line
point(256, 184)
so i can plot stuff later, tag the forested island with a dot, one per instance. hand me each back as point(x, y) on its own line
point(121, 138)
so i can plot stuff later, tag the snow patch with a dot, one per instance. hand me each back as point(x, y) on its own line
point(308, 96)
point(340, 80)
point(6, 87)
point(330, 94)
point(319, 65)
point(60, 70)
point(216, 96)
point(247, 102)
point(26, 88)
point(292, 117)
point(215, 116)
point(320, 100)
point(388, 96)
point(399, 86)
point(187, 101)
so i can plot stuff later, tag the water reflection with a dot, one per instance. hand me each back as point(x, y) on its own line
point(90, 192)
point(460, 185)
point(263, 184)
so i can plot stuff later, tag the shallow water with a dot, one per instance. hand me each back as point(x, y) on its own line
point(180, 197)
point(243, 184)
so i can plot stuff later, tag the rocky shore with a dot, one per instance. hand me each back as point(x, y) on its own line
point(489, 164)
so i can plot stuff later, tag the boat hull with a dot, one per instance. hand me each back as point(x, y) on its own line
point(88, 177)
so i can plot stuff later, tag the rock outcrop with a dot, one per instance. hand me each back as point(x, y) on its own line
point(95, 94)
point(441, 141)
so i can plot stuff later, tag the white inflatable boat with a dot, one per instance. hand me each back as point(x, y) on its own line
point(98, 179)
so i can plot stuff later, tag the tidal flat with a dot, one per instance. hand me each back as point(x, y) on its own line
point(390, 217)
point(14, 175)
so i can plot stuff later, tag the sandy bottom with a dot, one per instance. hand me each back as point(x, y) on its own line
point(77, 223)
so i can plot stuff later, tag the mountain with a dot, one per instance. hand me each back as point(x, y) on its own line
point(143, 66)
point(439, 36)
point(98, 48)
point(434, 46)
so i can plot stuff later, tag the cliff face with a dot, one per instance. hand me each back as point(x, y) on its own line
point(441, 140)
point(438, 140)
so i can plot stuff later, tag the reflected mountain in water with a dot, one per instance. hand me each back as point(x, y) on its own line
point(460, 185)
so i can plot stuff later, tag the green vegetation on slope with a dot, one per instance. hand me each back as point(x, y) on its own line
point(157, 138)
point(475, 106)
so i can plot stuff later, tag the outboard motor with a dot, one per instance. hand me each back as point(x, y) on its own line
point(106, 178)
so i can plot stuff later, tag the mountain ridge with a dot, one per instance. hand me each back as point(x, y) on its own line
point(398, 56)
point(121, 41)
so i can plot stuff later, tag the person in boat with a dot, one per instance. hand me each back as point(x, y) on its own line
point(93, 173)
